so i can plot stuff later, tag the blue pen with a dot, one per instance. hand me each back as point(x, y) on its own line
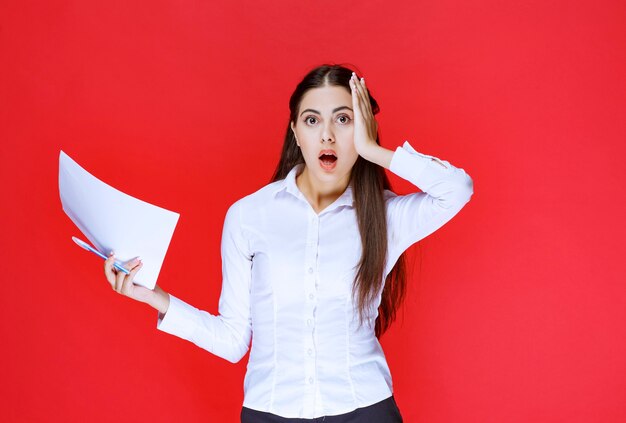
point(98, 253)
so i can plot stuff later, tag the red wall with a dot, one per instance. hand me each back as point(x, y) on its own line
point(518, 311)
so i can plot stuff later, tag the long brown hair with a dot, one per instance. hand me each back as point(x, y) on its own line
point(369, 182)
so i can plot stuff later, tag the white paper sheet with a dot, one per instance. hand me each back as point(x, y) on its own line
point(114, 221)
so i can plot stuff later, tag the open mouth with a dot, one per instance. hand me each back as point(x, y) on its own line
point(327, 157)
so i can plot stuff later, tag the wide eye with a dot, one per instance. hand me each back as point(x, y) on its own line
point(344, 119)
point(308, 119)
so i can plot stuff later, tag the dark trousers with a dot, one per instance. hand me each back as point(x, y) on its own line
point(385, 411)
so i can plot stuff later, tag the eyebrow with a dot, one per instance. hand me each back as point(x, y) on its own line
point(334, 110)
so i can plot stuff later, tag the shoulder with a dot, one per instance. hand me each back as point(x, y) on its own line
point(258, 197)
point(244, 216)
point(255, 200)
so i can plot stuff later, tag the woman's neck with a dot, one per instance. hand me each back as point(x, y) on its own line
point(318, 193)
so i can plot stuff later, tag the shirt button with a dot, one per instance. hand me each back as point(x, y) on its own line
point(310, 380)
point(309, 322)
point(310, 270)
point(311, 296)
point(310, 351)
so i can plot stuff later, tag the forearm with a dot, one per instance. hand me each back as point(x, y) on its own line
point(379, 155)
point(382, 156)
point(226, 334)
point(448, 185)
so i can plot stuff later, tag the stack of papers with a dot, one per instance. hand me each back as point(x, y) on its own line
point(114, 221)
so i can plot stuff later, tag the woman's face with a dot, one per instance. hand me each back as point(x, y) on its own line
point(324, 124)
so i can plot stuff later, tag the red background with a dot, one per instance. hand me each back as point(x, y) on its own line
point(517, 311)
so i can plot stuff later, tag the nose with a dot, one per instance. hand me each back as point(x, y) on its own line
point(327, 134)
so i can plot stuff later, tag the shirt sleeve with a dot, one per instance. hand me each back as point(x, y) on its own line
point(228, 334)
point(445, 190)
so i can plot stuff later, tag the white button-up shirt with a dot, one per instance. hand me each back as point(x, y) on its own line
point(287, 274)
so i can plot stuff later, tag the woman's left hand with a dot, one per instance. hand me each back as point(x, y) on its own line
point(365, 125)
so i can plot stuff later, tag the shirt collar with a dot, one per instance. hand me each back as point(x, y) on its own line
point(289, 185)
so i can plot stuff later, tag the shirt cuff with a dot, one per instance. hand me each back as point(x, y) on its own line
point(179, 320)
point(408, 163)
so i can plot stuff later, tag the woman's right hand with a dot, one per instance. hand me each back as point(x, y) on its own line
point(123, 283)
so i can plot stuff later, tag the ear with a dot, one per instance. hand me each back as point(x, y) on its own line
point(294, 133)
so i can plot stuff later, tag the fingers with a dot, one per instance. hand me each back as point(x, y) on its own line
point(355, 94)
point(356, 98)
point(357, 86)
point(120, 277)
point(120, 281)
point(355, 89)
point(109, 271)
point(362, 106)
point(127, 284)
point(359, 90)
point(365, 97)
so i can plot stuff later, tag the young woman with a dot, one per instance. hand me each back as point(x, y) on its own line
point(312, 263)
